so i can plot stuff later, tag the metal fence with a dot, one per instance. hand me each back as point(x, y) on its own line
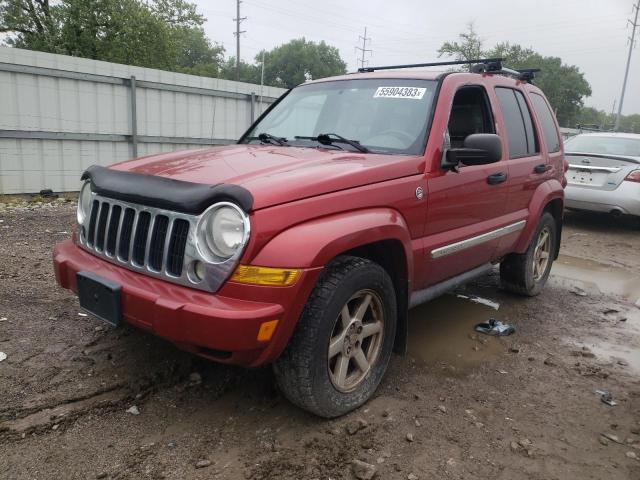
point(60, 114)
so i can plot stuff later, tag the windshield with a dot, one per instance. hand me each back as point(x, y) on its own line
point(382, 115)
point(629, 147)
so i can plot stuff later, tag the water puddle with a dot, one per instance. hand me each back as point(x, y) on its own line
point(584, 277)
point(621, 353)
point(442, 331)
point(595, 277)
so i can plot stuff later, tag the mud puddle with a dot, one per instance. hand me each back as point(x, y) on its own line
point(442, 331)
point(623, 354)
point(621, 346)
point(596, 277)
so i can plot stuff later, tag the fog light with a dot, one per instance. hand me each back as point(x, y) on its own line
point(266, 330)
point(265, 275)
point(197, 271)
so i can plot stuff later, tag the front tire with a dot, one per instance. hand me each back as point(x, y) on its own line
point(342, 344)
point(527, 273)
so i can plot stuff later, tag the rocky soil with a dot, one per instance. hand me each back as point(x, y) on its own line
point(80, 400)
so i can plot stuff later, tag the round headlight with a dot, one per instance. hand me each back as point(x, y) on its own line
point(223, 231)
point(84, 202)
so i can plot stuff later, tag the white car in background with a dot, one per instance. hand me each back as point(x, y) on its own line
point(604, 173)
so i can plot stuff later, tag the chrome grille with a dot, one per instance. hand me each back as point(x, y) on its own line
point(139, 237)
point(153, 241)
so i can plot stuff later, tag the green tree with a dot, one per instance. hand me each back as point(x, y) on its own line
point(468, 48)
point(32, 22)
point(593, 116)
point(298, 61)
point(564, 85)
point(248, 72)
point(164, 34)
point(630, 123)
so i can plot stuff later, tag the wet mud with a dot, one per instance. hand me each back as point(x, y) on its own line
point(459, 405)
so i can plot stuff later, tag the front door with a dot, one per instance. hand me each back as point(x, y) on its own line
point(465, 207)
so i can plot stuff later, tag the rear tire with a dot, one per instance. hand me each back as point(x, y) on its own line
point(342, 344)
point(527, 273)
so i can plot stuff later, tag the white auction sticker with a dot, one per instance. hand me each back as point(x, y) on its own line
point(415, 93)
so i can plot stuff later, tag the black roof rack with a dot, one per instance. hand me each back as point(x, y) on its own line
point(482, 65)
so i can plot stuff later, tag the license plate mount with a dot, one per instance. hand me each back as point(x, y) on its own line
point(100, 297)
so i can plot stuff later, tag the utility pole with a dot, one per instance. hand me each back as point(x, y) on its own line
point(613, 112)
point(364, 49)
point(613, 109)
point(634, 25)
point(261, 80)
point(237, 33)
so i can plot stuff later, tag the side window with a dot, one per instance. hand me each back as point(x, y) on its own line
point(517, 119)
point(532, 144)
point(546, 122)
point(470, 114)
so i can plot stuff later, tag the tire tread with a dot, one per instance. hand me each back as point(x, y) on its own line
point(293, 370)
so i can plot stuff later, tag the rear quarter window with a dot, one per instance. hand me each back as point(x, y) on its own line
point(547, 123)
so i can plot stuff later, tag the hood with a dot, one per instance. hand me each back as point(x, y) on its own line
point(275, 174)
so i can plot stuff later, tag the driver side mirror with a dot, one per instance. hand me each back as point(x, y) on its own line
point(477, 149)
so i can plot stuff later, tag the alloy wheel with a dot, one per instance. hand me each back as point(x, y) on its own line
point(356, 341)
point(541, 254)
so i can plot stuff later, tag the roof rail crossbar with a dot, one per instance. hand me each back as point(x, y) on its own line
point(525, 74)
point(482, 65)
point(486, 61)
point(528, 74)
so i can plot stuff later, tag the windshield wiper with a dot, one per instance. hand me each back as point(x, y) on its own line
point(272, 139)
point(331, 138)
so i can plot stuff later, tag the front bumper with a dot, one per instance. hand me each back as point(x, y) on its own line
point(222, 326)
point(624, 199)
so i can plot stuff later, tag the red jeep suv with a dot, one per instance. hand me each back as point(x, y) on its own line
point(351, 200)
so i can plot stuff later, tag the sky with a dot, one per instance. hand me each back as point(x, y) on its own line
point(591, 34)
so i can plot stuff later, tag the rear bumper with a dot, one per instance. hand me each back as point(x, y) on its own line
point(222, 326)
point(625, 198)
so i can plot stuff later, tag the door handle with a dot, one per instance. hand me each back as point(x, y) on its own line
point(496, 178)
point(542, 168)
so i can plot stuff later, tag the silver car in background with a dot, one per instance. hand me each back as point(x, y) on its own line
point(604, 173)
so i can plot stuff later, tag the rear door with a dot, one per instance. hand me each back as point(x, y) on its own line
point(528, 163)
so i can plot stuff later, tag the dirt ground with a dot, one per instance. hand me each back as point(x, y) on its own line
point(459, 406)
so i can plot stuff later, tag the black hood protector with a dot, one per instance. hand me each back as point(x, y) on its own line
point(162, 192)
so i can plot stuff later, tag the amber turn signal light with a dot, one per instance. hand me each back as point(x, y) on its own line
point(280, 277)
point(266, 330)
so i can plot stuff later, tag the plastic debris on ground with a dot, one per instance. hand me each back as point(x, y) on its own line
point(579, 291)
point(495, 327)
point(3, 356)
point(480, 300)
point(606, 397)
point(133, 410)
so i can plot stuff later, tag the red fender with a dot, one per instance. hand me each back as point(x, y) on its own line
point(545, 193)
point(315, 243)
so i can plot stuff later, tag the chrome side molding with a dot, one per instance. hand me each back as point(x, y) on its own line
point(477, 240)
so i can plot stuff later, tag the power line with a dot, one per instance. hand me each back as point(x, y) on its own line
point(364, 49)
point(632, 39)
point(237, 33)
